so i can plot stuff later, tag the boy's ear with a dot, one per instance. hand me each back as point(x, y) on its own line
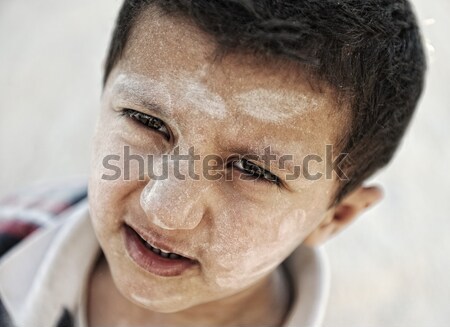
point(342, 214)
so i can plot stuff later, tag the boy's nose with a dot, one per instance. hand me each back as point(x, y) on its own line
point(173, 203)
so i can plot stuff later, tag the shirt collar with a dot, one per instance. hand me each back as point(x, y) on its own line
point(33, 291)
point(309, 268)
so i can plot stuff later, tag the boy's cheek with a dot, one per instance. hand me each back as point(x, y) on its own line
point(117, 156)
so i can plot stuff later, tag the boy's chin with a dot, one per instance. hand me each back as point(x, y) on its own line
point(167, 307)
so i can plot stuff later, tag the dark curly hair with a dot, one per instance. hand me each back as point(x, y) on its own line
point(369, 51)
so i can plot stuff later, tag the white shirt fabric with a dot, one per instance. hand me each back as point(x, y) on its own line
point(49, 271)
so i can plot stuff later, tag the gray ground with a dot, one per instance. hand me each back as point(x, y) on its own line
point(388, 269)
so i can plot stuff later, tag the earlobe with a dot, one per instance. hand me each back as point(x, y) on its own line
point(343, 214)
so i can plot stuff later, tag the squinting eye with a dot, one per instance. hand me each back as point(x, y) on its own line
point(256, 172)
point(148, 121)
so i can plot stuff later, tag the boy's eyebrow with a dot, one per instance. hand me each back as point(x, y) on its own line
point(143, 92)
point(143, 102)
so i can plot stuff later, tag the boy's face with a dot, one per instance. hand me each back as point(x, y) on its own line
point(238, 230)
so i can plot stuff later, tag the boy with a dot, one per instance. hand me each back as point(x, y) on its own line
point(264, 90)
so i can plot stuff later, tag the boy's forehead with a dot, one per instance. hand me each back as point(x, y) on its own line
point(172, 54)
point(169, 45)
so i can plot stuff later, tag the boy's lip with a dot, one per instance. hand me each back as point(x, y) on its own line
point(154, 238)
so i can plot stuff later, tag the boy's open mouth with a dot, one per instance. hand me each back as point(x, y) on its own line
point(158, 251)
point(155, 257)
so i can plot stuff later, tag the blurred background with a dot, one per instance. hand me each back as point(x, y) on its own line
point(389, 268)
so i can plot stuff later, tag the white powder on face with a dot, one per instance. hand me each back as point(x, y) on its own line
point(244, 271)
point(188, 91)
point(297, 218)
point(158, 301)
point(139, 88)
point(195, 94)
point(273, 106)
point(142, 300)
point(185, 91)
point(248, 241)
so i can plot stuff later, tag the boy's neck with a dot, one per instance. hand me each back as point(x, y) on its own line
point(265, 303)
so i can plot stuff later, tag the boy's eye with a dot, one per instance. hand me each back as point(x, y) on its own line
point(256, 172)
point(148, 121)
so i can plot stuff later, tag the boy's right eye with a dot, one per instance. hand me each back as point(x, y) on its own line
point(148, 121)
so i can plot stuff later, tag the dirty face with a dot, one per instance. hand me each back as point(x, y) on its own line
point(237, 229)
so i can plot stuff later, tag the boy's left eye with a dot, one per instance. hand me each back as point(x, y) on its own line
point(256, 172)
point(148, 121)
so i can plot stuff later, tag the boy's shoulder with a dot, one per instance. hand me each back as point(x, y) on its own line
point(35, 207)
point(36, 224)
